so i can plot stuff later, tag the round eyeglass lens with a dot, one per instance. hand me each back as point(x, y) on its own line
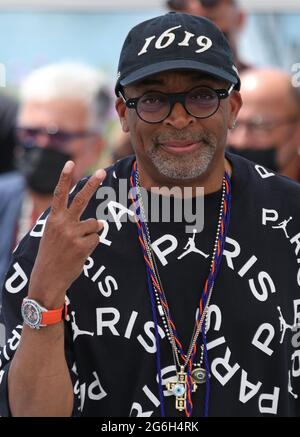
point(153, 106)
point(202, 102)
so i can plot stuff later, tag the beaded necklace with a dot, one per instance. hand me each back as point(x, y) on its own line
point(187, 378)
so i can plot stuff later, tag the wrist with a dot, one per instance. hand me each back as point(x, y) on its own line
point(50, 299)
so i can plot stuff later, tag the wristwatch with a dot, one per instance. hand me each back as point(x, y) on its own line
point(36, 316)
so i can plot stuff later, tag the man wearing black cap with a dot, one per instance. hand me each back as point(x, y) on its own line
point(172, 314)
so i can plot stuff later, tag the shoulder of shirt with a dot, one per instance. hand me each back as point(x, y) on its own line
point(277, 185)
point(118, 170)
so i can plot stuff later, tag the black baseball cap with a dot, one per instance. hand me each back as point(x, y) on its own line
point(175, 41)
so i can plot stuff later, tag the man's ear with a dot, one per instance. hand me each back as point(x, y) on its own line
point(122, 112)
point(235, 102)
point(241, 20)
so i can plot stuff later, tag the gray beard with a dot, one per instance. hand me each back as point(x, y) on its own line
point(189, 166)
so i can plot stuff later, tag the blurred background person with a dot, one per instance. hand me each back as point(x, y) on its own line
point(121, 145)
point(8, 114)
point(226, 14)
point(267, 130)
point(189, 6)
point(62, 114)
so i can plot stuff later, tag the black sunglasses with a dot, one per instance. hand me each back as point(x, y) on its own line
point(26, 136)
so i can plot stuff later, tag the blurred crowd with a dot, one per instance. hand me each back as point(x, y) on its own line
point(63, 112)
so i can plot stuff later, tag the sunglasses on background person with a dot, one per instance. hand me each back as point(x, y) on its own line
point(58, 139)
point(260, 126)
point(180, 5)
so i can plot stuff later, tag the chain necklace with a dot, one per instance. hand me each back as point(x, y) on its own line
point(162, 309)
point(187, 378)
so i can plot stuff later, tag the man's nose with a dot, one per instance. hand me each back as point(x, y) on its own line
point(179, 117)
point(42, 140)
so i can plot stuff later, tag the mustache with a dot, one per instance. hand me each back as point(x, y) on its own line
point(202, 137)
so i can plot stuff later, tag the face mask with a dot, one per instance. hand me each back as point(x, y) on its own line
point(266, 158)
point(41, 168)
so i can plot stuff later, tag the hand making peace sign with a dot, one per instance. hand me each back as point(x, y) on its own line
point(66, 242)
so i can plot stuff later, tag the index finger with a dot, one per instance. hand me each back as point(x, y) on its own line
point(83, 197)
point(61, 192)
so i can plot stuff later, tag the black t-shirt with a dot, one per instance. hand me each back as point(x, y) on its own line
point(253, 324)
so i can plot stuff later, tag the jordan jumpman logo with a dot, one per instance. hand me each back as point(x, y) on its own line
point(282, 225)
point(191, 247)
point(76, 330)
point(283, 325)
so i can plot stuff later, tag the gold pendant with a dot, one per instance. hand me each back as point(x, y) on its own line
point(199, 375)
point(179, 389)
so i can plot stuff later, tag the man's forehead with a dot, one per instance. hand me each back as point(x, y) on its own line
point(62, 112)
point(167, 77)
point(213, 4)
